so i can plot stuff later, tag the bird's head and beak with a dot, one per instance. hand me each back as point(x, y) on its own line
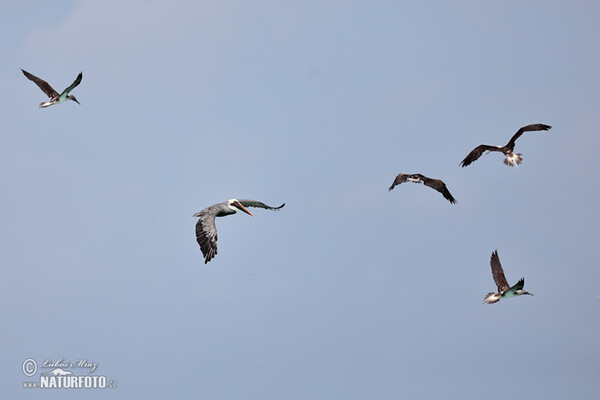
point(239, 206)
point(70, 96)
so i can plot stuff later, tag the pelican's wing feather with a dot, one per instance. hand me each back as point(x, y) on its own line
point(254, 203)
point(206, 233)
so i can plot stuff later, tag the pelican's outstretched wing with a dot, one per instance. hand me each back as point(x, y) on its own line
point(440, 186)
point(498, 273)
point(528, 128)
point(42, 84)
point(75, 83)
point(401, 178)
point(477, 152)
point(254, 203)
point(206, 233)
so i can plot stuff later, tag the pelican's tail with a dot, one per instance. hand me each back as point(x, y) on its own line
point(513, 159)
point(491, 298)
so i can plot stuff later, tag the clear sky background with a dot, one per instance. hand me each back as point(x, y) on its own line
point(350, 291)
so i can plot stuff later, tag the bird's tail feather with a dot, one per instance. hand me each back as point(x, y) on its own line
point(490, 298)
point(513, 159)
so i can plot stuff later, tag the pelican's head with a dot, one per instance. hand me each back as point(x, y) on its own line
point(235, 205)
point(70, 96)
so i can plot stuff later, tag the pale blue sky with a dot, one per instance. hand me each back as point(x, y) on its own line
point(350, 291)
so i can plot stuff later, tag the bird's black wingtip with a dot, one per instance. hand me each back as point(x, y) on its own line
point(448, 196)
point(275, 208)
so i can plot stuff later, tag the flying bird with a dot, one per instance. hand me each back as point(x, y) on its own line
point(55, 97)
point(504, 289)
point(206, 231)
point(511, 159)
point(436, 184)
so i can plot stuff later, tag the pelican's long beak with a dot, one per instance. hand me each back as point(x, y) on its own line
point(239, 206)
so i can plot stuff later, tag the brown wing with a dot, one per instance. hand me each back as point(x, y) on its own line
point(476, 153)
point(440, 186)
point(528, 128)
point(401, 178)
point(206, 235)
point(498, 273)
point(42, 84)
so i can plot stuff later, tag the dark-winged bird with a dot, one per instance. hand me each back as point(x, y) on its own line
point(504, 289)
point(436, 184)
point(206, 231)
point(55, 97)
point(511, 158)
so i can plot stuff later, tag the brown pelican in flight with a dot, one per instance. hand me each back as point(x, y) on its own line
point(504, 289)
point(55, 97)
point(206, 231)
point(511, 158)
point(432, 183)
